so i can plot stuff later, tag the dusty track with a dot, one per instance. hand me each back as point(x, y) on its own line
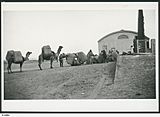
point(76, 82)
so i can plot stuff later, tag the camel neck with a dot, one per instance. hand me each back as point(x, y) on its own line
point(58, 51)
point(26, 58)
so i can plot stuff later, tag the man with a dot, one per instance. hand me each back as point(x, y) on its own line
point(61, 59)
point(132, 49)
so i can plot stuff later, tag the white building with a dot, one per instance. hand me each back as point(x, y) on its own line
point(120, 40)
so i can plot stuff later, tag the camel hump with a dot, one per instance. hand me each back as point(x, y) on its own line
point(46, 51)
point(10, 54)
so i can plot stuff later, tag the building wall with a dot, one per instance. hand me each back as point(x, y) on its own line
point(153, 46)
point(112, 41)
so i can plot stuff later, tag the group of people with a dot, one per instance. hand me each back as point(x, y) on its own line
point(101, 58)
point(94, 58)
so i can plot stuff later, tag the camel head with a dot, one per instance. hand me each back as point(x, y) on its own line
point(27, 55)
point(59, 49)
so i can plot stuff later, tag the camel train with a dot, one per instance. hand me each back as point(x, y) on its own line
point(73, 59)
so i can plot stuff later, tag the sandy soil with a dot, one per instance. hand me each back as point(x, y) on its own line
point(68, 82)
point(134, 80)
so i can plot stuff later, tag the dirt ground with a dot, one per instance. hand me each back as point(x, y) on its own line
point(135, 79)
point(68, 82)
point(95, 81)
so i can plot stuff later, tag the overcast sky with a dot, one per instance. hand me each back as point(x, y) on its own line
point(75, 30)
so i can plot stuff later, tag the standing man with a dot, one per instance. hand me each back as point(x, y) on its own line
point(132, 49)
point(61, 59)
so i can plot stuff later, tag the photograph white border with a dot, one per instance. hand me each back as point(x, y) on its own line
point(98, 105)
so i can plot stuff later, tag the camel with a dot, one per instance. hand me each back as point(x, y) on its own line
point(52, 56)
point(11, 59)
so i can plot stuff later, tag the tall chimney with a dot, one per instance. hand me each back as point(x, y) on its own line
point(140, 25)
point(141, 42)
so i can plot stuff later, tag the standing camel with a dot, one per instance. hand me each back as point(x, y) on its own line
point(52, 56)
point(11, 59)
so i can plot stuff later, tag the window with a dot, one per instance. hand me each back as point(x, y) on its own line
point(123, 37)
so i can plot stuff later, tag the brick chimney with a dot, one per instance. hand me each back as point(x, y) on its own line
point(140, 25)
point(141, 42)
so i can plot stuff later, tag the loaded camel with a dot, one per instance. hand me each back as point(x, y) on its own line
point(50, 55)
point(11, 58)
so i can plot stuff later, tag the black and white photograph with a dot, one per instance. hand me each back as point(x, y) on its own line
point(68, 57)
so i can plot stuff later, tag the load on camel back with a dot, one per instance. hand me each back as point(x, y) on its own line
point(16, 55)
point(76, 58)
point(46, 52)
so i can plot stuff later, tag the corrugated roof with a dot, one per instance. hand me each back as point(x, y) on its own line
point(121, 31)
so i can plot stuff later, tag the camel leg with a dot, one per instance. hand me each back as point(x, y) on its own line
point(40, 61)
point(10, 68)
point(51, 61)
point(21, 67)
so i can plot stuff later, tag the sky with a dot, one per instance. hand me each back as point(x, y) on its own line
point(74, 29)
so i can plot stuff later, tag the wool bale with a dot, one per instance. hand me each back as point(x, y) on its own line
point(18, 56)
point(70, 58)
point(46, 51)
point(81, 57)
point(10, 54)
point(75, 62)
